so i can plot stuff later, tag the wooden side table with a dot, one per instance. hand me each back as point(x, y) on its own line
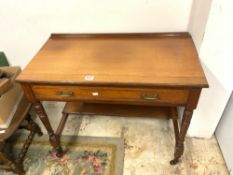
point(158, 70)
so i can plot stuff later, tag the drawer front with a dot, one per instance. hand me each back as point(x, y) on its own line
point(71, 93)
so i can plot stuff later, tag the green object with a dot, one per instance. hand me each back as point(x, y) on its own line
point(3, 60)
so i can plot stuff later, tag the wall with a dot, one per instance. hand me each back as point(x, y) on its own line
point(198, 19)
point(216, 50)
point(213, 37)
point(25, 25)
point(224, 137)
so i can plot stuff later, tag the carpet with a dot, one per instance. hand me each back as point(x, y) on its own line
point(84, 156)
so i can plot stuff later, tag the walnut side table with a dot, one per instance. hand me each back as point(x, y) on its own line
point(147, 70)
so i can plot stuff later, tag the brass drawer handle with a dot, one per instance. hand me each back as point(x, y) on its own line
point(66, 93)
point(150, 97)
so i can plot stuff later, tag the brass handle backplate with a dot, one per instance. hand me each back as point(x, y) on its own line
point(66, 93)
point(150, 96)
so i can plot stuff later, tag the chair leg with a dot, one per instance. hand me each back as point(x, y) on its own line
point(32, 126)
point(9, 164)
point(17, 165)
point(34, 129)
point(25, 148)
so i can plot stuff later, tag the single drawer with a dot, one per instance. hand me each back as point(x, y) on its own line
point(148, 95)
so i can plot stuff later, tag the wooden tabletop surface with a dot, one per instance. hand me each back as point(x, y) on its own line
point(117, 59)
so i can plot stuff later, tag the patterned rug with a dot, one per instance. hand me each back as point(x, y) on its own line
point(84, 156)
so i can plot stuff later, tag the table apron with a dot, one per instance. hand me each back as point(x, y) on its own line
point(147, 96)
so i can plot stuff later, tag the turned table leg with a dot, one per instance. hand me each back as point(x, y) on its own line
point(179, 147)
point(191, 104)
point(54, 139)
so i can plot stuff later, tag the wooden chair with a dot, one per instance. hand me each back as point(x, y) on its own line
point(21, 120)
point(17, 118)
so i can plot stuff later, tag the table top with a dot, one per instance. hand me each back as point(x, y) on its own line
point(166, 59)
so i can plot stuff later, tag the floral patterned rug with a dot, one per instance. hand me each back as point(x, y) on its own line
point(84, 156)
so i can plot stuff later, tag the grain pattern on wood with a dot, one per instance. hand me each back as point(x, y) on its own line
point(146, 95)
point(143, 69)
point(156, 60)
point(119, 110)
